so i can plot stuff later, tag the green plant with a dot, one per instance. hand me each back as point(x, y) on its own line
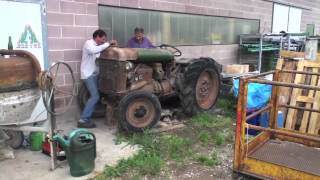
point(175, 147)
point(209, 121)
point(145, 162)
point(204, 137)
point(211, 161)
point(219, 139)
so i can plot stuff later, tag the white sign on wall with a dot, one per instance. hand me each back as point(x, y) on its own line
point(22, 21)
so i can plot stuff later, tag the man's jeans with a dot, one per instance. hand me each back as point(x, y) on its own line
point(92, 86)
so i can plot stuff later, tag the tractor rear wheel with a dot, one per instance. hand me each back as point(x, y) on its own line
point(199, 87)
point(139, 111)
point(83, 98)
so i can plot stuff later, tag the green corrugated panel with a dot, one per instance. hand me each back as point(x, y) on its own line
point(154, 55)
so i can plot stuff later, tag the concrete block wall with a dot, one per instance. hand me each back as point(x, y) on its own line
point(71, 22)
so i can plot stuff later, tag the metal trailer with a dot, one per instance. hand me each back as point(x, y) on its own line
point(275, 153)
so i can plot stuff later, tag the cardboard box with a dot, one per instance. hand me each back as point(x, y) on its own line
point(236, 68)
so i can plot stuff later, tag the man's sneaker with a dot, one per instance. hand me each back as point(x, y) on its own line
point(86, 124)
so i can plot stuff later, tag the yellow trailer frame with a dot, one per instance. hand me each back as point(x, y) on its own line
point(244, 160)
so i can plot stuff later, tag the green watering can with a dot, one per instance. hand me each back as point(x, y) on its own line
point(80, 149)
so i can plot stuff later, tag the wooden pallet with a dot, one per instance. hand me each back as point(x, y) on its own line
point(310, 122)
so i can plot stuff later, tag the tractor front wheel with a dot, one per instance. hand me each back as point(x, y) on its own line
point(139, 111)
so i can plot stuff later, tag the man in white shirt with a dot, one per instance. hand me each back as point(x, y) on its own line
point(89, 74)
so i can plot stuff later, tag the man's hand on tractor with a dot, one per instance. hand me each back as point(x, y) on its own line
point(113, 43)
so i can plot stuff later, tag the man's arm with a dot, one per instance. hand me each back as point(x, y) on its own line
point(150, 44)
point(93, 49)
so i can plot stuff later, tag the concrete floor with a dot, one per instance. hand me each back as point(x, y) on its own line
point(35, 165)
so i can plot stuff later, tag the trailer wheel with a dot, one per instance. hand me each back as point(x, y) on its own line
point(16, 138)
point(139, 111)
point(83, 98)
point(200, 87)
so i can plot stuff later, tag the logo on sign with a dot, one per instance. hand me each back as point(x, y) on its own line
point(28, 39)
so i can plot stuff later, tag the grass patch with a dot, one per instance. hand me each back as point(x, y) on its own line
point(155, 150)
point(219, 139)
point(204, 137)
point(174, 147)
point(146, 163)
point(208, 121)
point(211, 161)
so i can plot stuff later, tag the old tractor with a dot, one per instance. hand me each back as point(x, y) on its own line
point(133, 82)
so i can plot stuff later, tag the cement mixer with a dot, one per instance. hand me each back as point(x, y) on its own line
point(24, 89)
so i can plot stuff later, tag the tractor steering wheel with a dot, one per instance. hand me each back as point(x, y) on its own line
point(175, 51)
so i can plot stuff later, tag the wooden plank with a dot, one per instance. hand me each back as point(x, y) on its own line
point(291, 54)
point(315, 119)
point(284, 92)
point(306, 114)
point(291, 116)
point(306, 99)
point(312, 64)
point(280, 64)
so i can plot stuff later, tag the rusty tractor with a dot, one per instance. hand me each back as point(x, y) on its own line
point(133, 81)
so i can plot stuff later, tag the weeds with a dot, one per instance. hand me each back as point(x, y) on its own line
point(204, 137)
point(155, 149)
point(175, 147)
point(211, 161)
point(208, 121)
point(219, 139)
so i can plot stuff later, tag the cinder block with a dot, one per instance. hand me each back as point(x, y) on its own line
point(129, 3)
point(168, 6)
point(92, 9)
point(73, 7)
point(80, 43)
point(109, 2)
point(71, 31)
point(68, 78)
point(55, 56)
point(147, 4)
point(54, 31)
point(60, 79)
point(87, 1)
point(53, 5)
point(72, 55)
point(61, 44)
point(60, 19)
point(86, 20)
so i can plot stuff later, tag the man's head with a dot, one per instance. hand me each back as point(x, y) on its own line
point(138, 33)
point(99, 36)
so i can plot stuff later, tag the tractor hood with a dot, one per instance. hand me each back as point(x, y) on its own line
point(137, 54)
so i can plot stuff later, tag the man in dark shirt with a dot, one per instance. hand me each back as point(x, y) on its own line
point(139, 41)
